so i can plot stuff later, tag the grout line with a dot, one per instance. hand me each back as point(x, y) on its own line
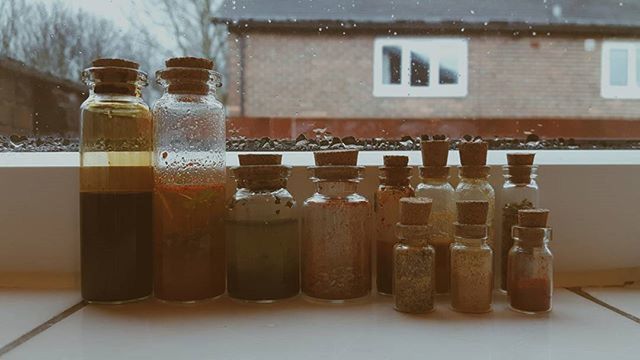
point(41, 328)
point(584, 294)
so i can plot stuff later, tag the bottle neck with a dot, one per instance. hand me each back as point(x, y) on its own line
point(336, 189)
point(262, 185)
point(413, 235)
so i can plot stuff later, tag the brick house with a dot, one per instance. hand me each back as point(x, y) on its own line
point(36, 103)
point(390, 68)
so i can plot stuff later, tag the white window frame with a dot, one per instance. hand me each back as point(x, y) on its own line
point(632, 89)
point(434, 47)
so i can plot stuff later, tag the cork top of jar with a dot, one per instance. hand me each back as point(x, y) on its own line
point(260, 159)
point(336, 158)
point(115, 62)
point(189, 62)
point(395, 160)
point(435, 152)
point(472, 212)
point(415, 210)
point(473, 153)
point(520, 158)
point(533, 218)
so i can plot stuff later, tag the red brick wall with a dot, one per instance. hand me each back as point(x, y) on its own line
point(320, 75)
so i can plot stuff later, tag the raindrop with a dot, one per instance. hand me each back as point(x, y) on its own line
point(462, 30)
point(472, 12)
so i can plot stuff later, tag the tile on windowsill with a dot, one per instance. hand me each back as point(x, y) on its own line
point(577, 328)
point(626, 299)
point(21, 310)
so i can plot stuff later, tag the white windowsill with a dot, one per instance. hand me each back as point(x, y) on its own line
point(366, 158)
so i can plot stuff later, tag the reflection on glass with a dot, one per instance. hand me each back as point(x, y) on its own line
point(449, 69)
point(419, 69)
point(391, 60)
point(618, 67)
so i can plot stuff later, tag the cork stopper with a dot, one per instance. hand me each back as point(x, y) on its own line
point(434, 172)
point(520, 158)
point(473, 212)
point(533, 218)
point(434, 152)
point(336, 158)
point(114, 62)
point(260, 159)
point(475, 171)
point(189, 62)
point(395, 160)
point(415, 211)
point(473, 153)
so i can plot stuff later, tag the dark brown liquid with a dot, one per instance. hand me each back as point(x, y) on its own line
point(384, 266)
point(116, 245)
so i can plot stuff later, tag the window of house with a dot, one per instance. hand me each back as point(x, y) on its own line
point(621, 70)
point(420, 67)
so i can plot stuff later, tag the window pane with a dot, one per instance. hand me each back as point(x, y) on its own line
point(391, 62)
point(449, 72)
point(618, 67)
point(419, 69)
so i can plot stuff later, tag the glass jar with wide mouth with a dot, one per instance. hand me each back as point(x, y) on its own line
point(414, 270)
point(263, 250)
point(394, 185)
point(519, 191)
point(471, 270)
point(116, 183)
point(336, 250)
point(435, 185)
point(189, 183)
point(474, 185)
point(530, 271)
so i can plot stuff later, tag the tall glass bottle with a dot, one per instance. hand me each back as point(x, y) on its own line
point(394, 185)
point(519, 191)
point(471, 260)
point(435, 185)
point(189, 174)
point(336, 250)
point(263, 251)
point(530, 264)
point(116, 182)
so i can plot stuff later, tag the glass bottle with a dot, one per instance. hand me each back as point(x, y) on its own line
point(336, 250)
point(116, 182)
point(263, 251)
point(414, 259)
point(474, 185)
point(519, 191)
point(471, 269)
point(435, 185)
point(189, 190)
point(394, 185)
point(530, 270)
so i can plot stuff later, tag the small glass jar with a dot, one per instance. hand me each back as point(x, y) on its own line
point(189, 189)
point(414, 270)
point(471, 270)
point(519, 191)
point(394, 185)
point(435, 185)
point(336, 250)
point(530, 271)
point(474, 185)
point(116, 183)
point(263, 251)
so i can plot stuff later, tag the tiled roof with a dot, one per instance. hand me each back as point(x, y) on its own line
point(623, 14)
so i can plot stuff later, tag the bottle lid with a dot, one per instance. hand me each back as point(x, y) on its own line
point(534, 218)
point(189, 62)
point(114, 62)
point(336, 158)
point(399, 161)
point(473, 153)
point(435, 152)
point(415, 210)
point(520, 158)
point(470, 231)
point(260, 159)
point(473, 212)
point(117, 76)
point(475, 171)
